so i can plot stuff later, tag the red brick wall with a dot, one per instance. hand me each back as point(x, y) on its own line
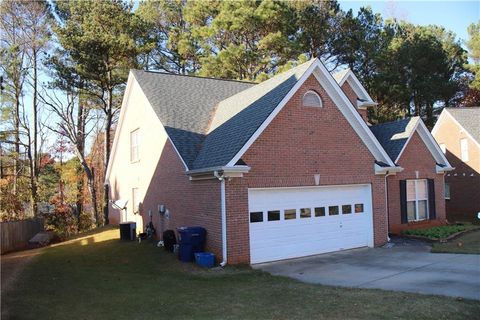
point(352, 96)
point(191, 203)
point(464, 202)
point(299, 143)
point(415, 157)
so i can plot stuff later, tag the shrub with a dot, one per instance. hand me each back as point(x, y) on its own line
point(62, 221)
point(436, 232)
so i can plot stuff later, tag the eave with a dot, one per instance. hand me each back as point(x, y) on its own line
point(220, 172)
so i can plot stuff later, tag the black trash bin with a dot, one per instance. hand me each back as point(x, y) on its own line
point(128, 230)
point(169, 240)
point(191, 241)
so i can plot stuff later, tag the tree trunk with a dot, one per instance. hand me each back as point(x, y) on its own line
point(90, 182)
point(34, 155)
point(108, 127)
point(81, 149)
point(17, 141)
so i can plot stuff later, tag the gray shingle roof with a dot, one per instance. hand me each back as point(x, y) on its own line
point(469, 118)
point(185, 105)
point(210, 120)
point(393, 135)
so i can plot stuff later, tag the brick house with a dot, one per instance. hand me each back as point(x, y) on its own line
point(457, 131)
point(285, 168)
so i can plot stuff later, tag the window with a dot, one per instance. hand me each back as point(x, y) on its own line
point(312, 99)
point(290, 214)
point(333, 210)
point(256, 216)
point(447, 191)
point(347, 209)
point(443, 148)
point(417, 200)
point(305, 213)
point(274, 215)
point(359, 208)
point(134, 145)
point(135, 200)
point(464, 149)
point(320, 212)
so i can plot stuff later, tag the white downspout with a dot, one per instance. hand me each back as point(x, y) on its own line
point(386, 204)
point(224, 218)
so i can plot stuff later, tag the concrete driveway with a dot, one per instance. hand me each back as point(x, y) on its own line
point(404, 267)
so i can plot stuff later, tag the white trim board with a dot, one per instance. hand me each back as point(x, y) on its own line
point(343, 103)
point(429, 141)
point(126, 97)
point(355, 84)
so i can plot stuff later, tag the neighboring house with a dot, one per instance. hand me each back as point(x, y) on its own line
point(281, 169)
point(457, 131)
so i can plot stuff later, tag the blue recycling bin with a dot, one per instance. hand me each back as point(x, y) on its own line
point(191, 241)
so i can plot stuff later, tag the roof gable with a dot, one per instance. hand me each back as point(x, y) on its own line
point(185, 104)
point(238, 117)
point(348, 76)
point(468, 119)
point(212, 122)
point(395, 136)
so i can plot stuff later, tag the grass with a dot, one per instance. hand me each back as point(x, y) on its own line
point(442, 232)
point(467, 243)
point(99, 277)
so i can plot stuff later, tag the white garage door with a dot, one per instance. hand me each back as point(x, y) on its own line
point(295, 222)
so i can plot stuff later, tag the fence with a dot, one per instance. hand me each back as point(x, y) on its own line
point(15, 234)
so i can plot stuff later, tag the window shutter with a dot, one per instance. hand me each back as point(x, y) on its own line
point(431, 199)
point(403, 201)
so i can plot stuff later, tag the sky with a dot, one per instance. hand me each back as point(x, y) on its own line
point(453, 15)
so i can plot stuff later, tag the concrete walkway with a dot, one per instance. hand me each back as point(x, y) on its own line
point(403, 267)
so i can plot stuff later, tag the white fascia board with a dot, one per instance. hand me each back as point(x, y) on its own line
point(352, 115)
point(432, 145)
point(440, 169)
point(430, 142)
point(439, 121)
point(224, 169)
point(125, 99)
point(274, 113)
point(354, 118)
point(356, 85)
point(379, 170)
point(408, 139)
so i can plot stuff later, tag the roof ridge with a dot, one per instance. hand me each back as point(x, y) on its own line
point(193, 76)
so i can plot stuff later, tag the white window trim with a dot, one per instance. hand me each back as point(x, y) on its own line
point(417, 200)
point(464, 149)
point(318, 96)
point(447, 197)
point(137, 146)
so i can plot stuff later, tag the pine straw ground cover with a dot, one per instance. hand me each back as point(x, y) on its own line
point(99, 277)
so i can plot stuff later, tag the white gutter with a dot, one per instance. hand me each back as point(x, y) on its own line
point(224, 218)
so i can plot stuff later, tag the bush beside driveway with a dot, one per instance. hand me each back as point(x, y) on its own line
point(99, 277)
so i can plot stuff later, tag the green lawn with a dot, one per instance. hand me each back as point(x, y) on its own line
point(441, 232)
point(467, 243)
point(99, 277)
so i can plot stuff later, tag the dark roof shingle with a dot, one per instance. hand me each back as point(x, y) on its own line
point(210, 120)
point(185, 105)
point(393, 135)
